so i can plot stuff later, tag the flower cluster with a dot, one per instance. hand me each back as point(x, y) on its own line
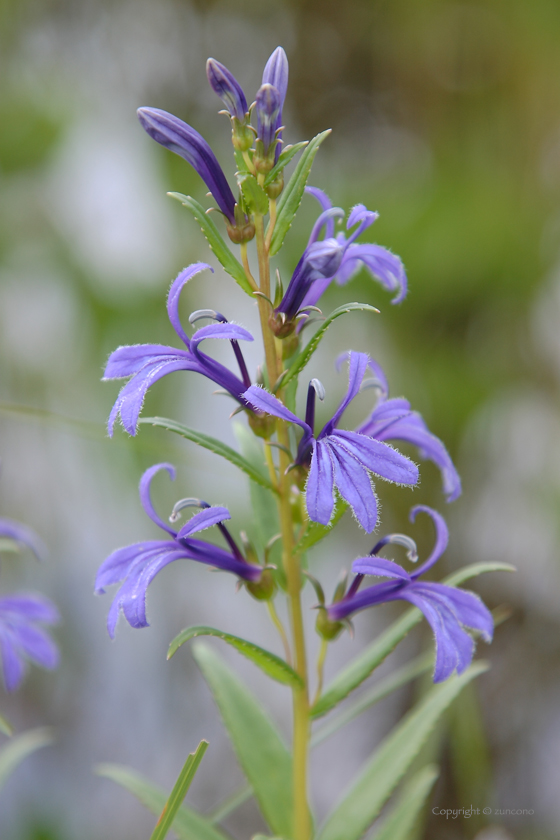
point(313, 466)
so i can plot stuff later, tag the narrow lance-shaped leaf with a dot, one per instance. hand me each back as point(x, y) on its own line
point(368, 660)
point(180, 789)
point(303, 358)
point(263, 756)
point(284, 160)
point(217, 244)
point(368, 793)
point(268, 662)
point(213, 444)
point(293, 192)
point(14, 752)
point(188, 823)
point(254, 195)
point(404, 816)
point(367, 699)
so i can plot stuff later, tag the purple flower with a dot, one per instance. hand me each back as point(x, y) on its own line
point(180, 138)
point(394, 420)
point(306, 287)
point(228, 88)
point(268, 107)
point(146, 363)
point(276, 74)
point(339, 458)
point(448, 610)
point(138, 564)
point(20, 639)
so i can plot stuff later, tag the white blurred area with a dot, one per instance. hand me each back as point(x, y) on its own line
point(97, 211)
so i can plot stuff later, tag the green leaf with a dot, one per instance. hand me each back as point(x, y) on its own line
point(293, 192)
point(254, 195)
point(213, 444)
point(214, 238)
point(475, 569)
point(376, 693)
point(6, 727)
point(188, 823)
point(315, 532)
point(20, 747)
point(403, 818)
point(362, 666)
point(179, 792)
point(268, 662)
point(381, 774)
point(302, 358)
point(263, 756)
point(283, 161)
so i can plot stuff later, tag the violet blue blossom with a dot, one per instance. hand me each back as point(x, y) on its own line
point(448, 610)
point(394, 420)
point(20, 613)
point(137, 565)
point(178, 137)
point(306, 287)
point(227, 88)
point(146, 363)
point(276, 74)
point(339, 458)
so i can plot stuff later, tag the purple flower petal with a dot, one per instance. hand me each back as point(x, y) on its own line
point(146, 498)
point(262, 400)
point(379, 567)
point(174, 293)
point(276, 74)
point(178, 137)
point(379, 458)
point(227, 87)
point(356, 370)
point(204, 519)
point(320, 485)
point(442, 537)
point(354, 485)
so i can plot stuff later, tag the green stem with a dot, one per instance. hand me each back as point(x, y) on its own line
point(290, 560)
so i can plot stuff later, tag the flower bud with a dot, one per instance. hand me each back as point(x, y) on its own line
point(228, 89)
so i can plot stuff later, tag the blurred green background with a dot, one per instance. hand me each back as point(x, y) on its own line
point(446, 120)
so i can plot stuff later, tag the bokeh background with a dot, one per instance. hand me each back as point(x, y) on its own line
point(446, 119)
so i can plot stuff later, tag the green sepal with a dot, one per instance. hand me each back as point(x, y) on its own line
point(368, 793)
point(188, 823)
point(315, 532)
point(404, 815)
point(373, 655)
point(293, 192)
point(213, 444)
point(261, 752)
point(180, 789)
point(255, 197)
point(274, 667)
point(302, 358)
point(284, 159)
point(214, 239)
point(14, 752)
